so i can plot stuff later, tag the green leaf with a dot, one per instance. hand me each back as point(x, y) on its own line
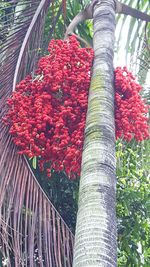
point(34, 162)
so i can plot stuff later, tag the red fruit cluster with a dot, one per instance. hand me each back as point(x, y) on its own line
point(47, 113)
point(130, 109)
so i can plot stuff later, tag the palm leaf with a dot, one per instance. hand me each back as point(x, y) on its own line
point(131, 35)
point(144, 66)
point(32, 233)
point(31, 228)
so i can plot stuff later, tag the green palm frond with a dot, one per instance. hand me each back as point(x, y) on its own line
point(130, 38)
point(143, 56)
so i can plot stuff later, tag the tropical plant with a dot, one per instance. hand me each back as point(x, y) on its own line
point(18, 58)
point(133, 191)
point(32, 231)
point(95, 238)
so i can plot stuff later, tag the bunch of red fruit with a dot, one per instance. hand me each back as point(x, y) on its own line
point(47, 112)
point(131, 118)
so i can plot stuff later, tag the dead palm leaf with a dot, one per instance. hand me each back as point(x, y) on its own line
point(32, 233)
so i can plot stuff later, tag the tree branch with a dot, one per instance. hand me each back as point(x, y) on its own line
point(83, 15)
point(127, 10)
point(87, 13)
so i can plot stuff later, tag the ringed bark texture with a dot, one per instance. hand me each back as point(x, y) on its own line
point(95, 238)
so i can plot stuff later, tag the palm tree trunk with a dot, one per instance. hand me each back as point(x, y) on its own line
point(95, 238)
